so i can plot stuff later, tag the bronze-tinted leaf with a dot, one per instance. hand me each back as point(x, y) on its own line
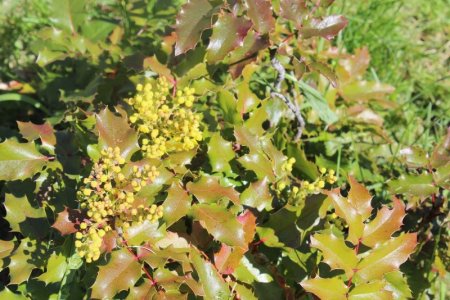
point(257, 195)
point(121, 273)
point(360, 198)
point(327, 28)
point(177, 204)
point(441, 153)
point(293, 10)
point(260, 12)
point(228, 258)
point(208, 189)
point(66, 221)
point(32, 131)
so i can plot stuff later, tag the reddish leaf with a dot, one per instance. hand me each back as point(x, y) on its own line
point(193, 18)
point(293, 10)
point(153, 64)
point(325, 71)
point(32, 131)
point(228, 258)
point(360, 198)
point(327, 28)
point(67, 219)
point(353, 67)
point(208, 189)
point(260, 12)
point(441, 153)
point(384, 225)
point(228, 33)
point(121, 273)
point(257, 195)
point(248, 221)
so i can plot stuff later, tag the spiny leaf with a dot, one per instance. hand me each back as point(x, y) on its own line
point(194, 17)
point(387, 257)
point(146, 231)
point(227, 103)
point(248, 221)
point(293, 10)
point(121, 273)
point(220, 223)
point(397, 283)
point(228, 33)
point(44, 131)
point(260, 12)
point(326, 288)
point(257, 195)
point(177, 204)
point(384, 225)
point(19, 160)
point(220, 153)
point(335, 252)
point(415, 185)
point(414, 157)
point(372, 290)
point(228, 258)
point(114, 131)
point(146, 290)
point(66, 220)
point(55, 269)
point(360, 198)
point(346, 211)
point(5, 248)
point(441, 153)
point(208, 189)
point(213, 284)
point(327, 28)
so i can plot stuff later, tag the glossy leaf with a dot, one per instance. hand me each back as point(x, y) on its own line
point(228, 104)
point(415, 185)
point(32, 131)
point(177, 204)
point(23, 260)
point(55, 269)
point(66, 221)
point(260, 12)
point(5, 248)
point(209, 190)
point(365, 90)
point(121, 273)
point(19, 160)
point(398, 285)
point(257, 195)
point(293, 10)
point(228, 258)
point(360, 198)
point(326, 288)
point(327, 28)
point(373, 290)
point(414, 157)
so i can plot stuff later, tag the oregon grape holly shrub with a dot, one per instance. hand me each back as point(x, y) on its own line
point(196, 183)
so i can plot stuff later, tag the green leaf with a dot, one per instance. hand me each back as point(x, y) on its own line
point(220, 153)
point(326, 288)
point(372, 290)
point(227, 103)
point(121, 273)
point(257, 195)
point(177, 204)
point(213, 284)
point(246, 53)
point(55, 269)
point(67, 14)
point(327, 28)
point(145, 232)
point(146, 290)
point(414, 185)
point(5, 248)
point(335, 252)
point(44, 131)
point(19, 160)
point(194, 17)
point(8, 295)
point(365, 90)
point(25, 99)
point(260, 12)
point(441, 153)
point(220, 223)
point(397, 283)
point(114, 131)
point(209, 190)
point(387, 257)
point(414, 157)
point(384, 225)
point(228, 33)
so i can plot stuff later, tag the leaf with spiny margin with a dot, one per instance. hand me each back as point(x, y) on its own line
point(227, 103)
point(19, 160)
point(293, 10)
point(372, 290)
point(208, 189)
point(360, 198)
point(220, 223)
point(146, 290)
point(177, 204)
point(114, 131)
point(335, 252)
point(345, 210)
point(244, 292)
point(228, 33)
point(5, 248)
point(414, 185)
point(24, 260)
point(220, 153)
point(327, 28)
point(228, 258)
point(194, 17)
point(121, 273)
point(384, 225)
point(213, 284)
point(387, 257)
point(441, 153)
point(66, 220)
point(260, 12)
point(246, 99)
point(326, 288)
point(44, 131)
point(397, 283)
point(145, 232)
point(55, 269)
point(365, 90)
point(258, 163)
point(414, 157)
point(7, 294)
point(257, 195)
point(248, 221)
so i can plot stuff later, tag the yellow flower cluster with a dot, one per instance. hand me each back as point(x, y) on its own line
point(108, 196)
point(167, 124)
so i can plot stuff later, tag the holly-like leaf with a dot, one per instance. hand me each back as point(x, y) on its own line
point(114, 131)
point(384, 225)
point(177, 204)
point(327, 28)
point(326, 288)
point(146, 290)
point(66, 221)
point(360, 198)
point(220, 152)
point(345, 210)
point(371, 290)
point(228, 33)
point(208, 189)
point(387, 257)
point(19, 160)
point(260, 12)
point(365, 90)
point(335, 252)
point(213, 284)
point(248, 221)
point(220, 223)
point(293, 10)
point(194, 17)
point(144, 232)
point(397, 283)
point(44, 131)
point(414, 157)
point(441, 153)
point(258, 163)
point(227, 103)
point(121, 273)
point(5, 248)
point(55, 269)
point(415, 185)
point(257, 195)
point(228, 258)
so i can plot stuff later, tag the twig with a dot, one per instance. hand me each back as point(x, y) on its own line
point(294, 108)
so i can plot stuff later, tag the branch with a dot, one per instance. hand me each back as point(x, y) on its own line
point(294, 108)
